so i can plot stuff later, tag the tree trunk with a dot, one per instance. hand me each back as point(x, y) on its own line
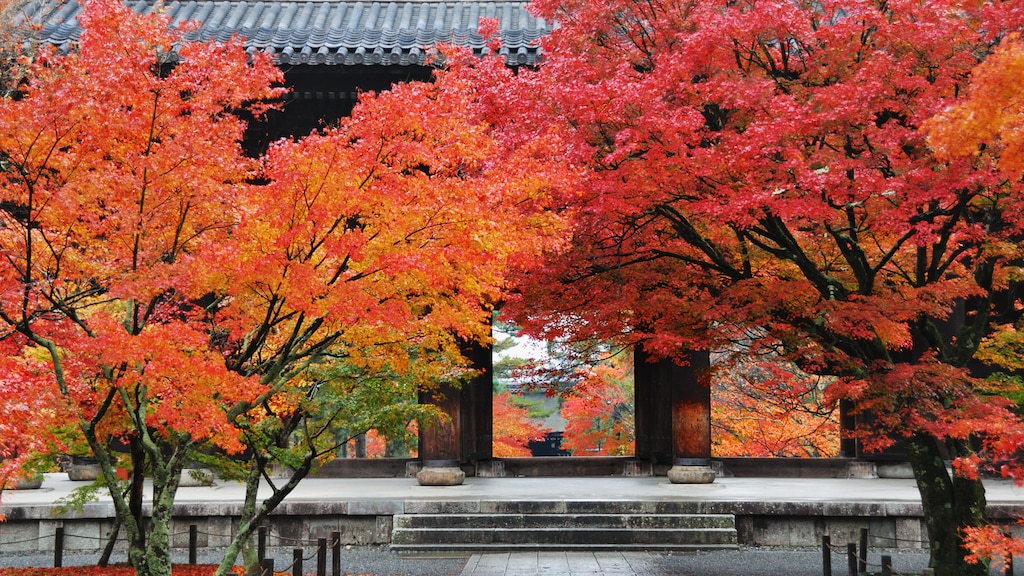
point(950, 504)
point(158, 544)
point(137, 481)
point(254, 512)
point(239, 542)
point(108, 549)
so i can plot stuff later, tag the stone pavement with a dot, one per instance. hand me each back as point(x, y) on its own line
point(774, 491)
point(744, 562)
point(571, 563)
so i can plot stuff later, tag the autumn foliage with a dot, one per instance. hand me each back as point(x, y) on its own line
point(991, 117)
point(769, 409)
point(783, 176)
point(120, 167)
point(598, 412)
point(171, 296)
point(756, 173)
point(513, 429)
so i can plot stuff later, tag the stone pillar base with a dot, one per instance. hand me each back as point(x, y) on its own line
point(691, 471)
point(440, 476)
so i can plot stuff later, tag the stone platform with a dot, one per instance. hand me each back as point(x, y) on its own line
point(768, 511)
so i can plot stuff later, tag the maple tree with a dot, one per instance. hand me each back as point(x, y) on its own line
point(756, 171)
point(985, 126)
point(598, 411)
point(513, 428)
point(18, 440)
point(120, 165)
point(185, 302)
point(381, 243)
point(763, 408)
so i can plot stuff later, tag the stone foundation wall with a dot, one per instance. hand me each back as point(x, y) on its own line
point(808, 530)
point(303, 530)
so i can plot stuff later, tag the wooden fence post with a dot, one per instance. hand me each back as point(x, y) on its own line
point(58, 547)
point(862, 560)
point(826, 556)
point(336, 553)
point(321, 557)
point(193, 544)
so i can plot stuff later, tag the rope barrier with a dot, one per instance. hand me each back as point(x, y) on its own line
point(856, 563)
point(298, 558)
point(36, 539)
point(174, 535)
point(921, 543)
point(833, 549)
point(297, 540)
point(83, 537)
point(280, 538)
point(881, 567)
point(289, 567)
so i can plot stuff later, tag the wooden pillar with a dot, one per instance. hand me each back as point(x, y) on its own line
point(849, 446)
point(653, 413)
point(691, 410)
point(441, 441)
point(466, 435)
point(477, 399)
point(673, 416)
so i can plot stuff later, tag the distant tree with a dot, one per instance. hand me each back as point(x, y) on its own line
point(513, 428)
point(15, 55)
point(599, 412)
point(768, 408)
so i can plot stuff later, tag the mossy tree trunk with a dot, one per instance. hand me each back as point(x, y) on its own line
point(149, 543)
point(950, 502)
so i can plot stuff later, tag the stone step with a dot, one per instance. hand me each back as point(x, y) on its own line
point(462, 550)
point(441, 533)
point(576, 507)
point(571, 521)
point(578, 536)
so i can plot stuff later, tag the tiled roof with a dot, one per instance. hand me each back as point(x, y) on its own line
point(329, 32)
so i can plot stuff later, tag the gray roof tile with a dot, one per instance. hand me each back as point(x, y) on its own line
point(329, 32)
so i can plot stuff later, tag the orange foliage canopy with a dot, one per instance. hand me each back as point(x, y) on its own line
point(992, 115)
point(161, 287)
point(768, 409)
point(122, 164)
point(513, 428)
point(598, 412)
